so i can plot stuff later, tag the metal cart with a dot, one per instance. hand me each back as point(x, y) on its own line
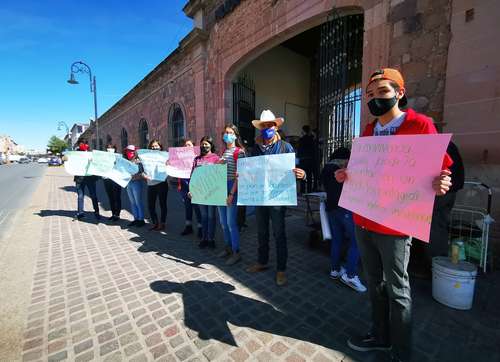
point(470, 222)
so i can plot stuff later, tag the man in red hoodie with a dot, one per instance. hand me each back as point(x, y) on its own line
point(385, 252)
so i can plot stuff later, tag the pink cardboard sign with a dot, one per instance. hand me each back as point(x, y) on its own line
point(180, 161)
point(390, 180)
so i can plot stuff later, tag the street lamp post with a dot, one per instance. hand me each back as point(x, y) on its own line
point(63, 124)
point(81, 67)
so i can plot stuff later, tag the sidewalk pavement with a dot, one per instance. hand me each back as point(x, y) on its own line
point(107, 293)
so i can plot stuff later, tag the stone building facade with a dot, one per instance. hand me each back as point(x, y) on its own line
point(244, 55)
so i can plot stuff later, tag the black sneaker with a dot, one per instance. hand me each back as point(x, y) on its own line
point(203, 244)
point(133, 223)
point(367, 343)
point(187, 230)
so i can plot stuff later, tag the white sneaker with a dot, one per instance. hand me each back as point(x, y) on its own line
point(335, 274)
point(353, 282)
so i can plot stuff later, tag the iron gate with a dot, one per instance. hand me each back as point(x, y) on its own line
point(340, 71)
point(244, 108)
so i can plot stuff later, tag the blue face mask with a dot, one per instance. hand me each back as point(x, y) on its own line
point(229, 138)
point(268, 133)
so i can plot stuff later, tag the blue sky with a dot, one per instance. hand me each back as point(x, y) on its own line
point(122, 41)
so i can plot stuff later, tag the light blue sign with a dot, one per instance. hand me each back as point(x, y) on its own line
point(101, 163)
point(267, 180)
point(208, 185)
point(154, 163)
point(122, 171)
point(77, 162)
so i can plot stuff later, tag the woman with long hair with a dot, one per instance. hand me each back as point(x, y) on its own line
point(228, 215)
point(135, 188)
point(157, 190)
point(207, 156)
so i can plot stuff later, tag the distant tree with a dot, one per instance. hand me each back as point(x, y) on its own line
point(56, 145)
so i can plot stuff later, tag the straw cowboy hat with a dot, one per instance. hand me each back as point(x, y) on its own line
point(265, 117)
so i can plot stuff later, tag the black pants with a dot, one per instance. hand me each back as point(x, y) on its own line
point(159, 191)
point(385, 262)
point(275, 215)
point(114, 192)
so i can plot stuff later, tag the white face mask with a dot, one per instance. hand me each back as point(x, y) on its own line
point(112, 150)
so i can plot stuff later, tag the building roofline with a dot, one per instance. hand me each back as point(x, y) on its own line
point(144, 80)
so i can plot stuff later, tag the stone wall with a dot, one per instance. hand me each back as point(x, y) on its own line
point(419, 47)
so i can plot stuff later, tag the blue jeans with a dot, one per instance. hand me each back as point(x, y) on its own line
point(208, 221)
point(275, 214)
point(342, 225)
point(134, 191)
point(80, 190)
point(228, 217)
point(188, 206)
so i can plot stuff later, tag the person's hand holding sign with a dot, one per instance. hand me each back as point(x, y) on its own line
point(299, 173)
point(341, 175)
point(442, 183)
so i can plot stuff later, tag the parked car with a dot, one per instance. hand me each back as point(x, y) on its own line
point(42, 160)
point(55, 161)
point(24, 160)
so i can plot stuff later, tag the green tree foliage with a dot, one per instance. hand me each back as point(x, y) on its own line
point(56, 145)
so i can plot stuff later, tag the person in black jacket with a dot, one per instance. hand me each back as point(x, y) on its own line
point(88, 182)
point(341, 223)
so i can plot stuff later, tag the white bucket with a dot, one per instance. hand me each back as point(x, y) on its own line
point(453, 284)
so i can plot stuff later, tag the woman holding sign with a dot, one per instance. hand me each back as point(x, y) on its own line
point(228, 215)
point(88, 182)
point(157, 190)
point(183, 188)
point(135, 188)
point(207, 157)
point(114, 192)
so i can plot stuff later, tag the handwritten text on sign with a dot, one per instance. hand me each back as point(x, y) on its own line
point(154, 163)
point(180, 161)
point(267, 180)
point(390, 180)
point(208, 185)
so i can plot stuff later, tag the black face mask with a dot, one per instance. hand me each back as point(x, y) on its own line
point(380, 106)
point(205, 149)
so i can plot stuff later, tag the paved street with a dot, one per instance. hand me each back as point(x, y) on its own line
point(106, 293)
point(17, 183)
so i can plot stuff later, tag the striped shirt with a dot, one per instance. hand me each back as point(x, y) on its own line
point(228, 156)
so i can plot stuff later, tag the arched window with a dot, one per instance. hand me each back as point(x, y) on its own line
point(143, 134)
point(124, 138)
point(94, 144)
point(109, 139)
point(101, 146)
point(177, 126)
